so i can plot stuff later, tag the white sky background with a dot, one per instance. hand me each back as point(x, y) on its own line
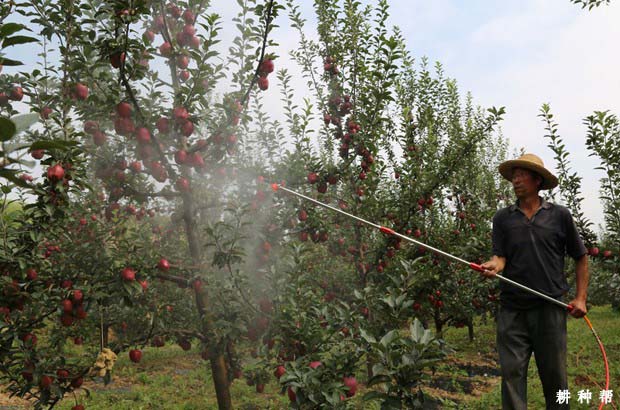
point(513, 53)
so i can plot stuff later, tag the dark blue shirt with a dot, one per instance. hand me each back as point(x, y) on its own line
point(535, 250)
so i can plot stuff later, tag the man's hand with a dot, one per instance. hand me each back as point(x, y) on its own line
point(493, 267)
point(579, 307)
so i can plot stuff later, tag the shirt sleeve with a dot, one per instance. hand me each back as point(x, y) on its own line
point(498, 236)
point(574, 244)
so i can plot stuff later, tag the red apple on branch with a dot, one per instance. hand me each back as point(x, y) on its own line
point(55, 173)
point(80, 91)
point(128, 274)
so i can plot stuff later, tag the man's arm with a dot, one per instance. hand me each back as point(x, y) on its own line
point(494, 266)
point(583, 277)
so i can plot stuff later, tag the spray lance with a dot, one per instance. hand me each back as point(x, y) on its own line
point(388, 231)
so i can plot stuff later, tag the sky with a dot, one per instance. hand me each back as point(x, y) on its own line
point(513, 53)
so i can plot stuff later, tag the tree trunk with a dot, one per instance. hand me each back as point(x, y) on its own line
point(106, 334)
point(470, 328)
point(438, 324)
point(216, 354)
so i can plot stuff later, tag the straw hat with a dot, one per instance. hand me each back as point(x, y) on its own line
point(533, 163)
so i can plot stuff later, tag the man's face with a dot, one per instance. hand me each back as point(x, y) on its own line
point(524, 182)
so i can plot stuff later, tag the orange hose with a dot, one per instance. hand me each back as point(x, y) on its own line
point(600, 345)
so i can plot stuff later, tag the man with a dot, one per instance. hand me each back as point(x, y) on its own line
point(530, 241)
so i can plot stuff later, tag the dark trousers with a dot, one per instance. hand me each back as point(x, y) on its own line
point(541, 330)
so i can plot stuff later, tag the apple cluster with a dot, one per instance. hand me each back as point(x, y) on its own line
point(178, 31)
point(595, 252)
point(16, 93)
point(266, 67)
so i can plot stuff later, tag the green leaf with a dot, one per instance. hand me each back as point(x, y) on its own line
point(378, 379)
point(10, 175)
point(389, 337)
point(10, 28)
point(367, 337)
point(53, 144)
point(375, 395)
point(7, 129)
point(417, 330)
point(9, 63)
point(15, 40)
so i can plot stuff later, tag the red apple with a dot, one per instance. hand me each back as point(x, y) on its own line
point(29, 339)
point(80, 91)
point(45, 112)
point(593, 251)
point(607, 254)
point(37, 153)
point(188, 17)
point(77, 296)
point(197, 160)
point(315, 364)
point(128, 274)
point(55, 173)
point(31, 274)
point(62, 374)
point(163, 125)
point(78, 407)
point(291, 395)
point(266, 66)
point(158, 23)
point(163, 264)
point(182, 61)
point(17, 93)
point(165, 49)
point(180, 114)
point(124, 109)
point(143, 135)
point(45, 382)
point(313, 178)
point(135, 355)
point(180, 157)
point(148, 36)
point(99, 138)
point(136, 166)
point(77, 382)
point(183, 75)
point(351, 383)
point(263, 83)
point(182, 184)
point(194, 41)
point(173, 10)
point(189, 30)
point(279, 372)
point(117, 59)
point(67, 306)
point(187, 128)
point(81, 313)
point(66, 319)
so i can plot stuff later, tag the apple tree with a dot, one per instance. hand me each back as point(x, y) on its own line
point(396, 147)
point(151, 141)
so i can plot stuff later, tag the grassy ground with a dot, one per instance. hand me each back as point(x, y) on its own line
point(169, 378)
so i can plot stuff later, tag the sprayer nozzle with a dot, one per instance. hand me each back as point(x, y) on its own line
point(274, 187)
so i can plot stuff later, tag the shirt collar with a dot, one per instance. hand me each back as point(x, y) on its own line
point(544, 204)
